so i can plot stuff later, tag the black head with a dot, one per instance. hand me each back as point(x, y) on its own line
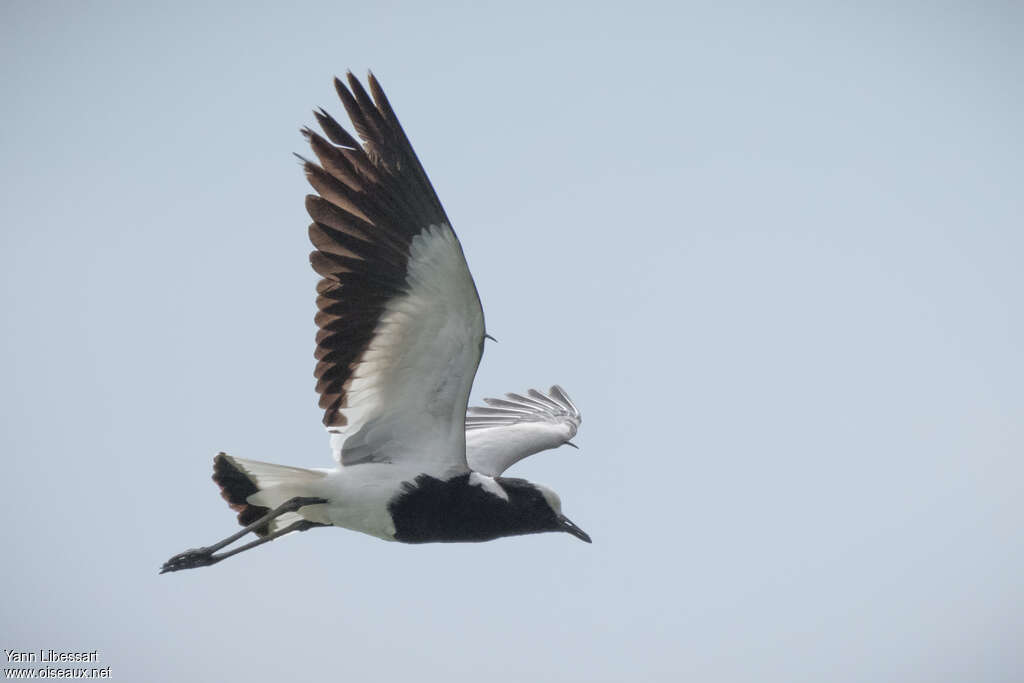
point(539, 508)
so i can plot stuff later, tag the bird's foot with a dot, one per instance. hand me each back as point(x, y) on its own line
point(190, 559)
point(294, 504)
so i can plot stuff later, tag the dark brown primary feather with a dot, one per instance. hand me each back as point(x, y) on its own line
point(374, 197)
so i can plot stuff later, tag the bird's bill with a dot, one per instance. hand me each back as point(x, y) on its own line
point(570, 528)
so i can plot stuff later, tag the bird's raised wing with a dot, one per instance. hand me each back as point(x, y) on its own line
point(401, 326)
point(511, 428)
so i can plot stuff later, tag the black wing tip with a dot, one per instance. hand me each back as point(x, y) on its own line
point(379, 197)
point(341, 88)
point(356, 86)
point(354, 81)
point(322, 117)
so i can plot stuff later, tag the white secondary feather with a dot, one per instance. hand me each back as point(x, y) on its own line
point(512, 428)
point(408, 394)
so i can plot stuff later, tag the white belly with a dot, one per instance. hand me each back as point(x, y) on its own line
point(359, 497)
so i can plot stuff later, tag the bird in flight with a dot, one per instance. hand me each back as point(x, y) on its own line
point(401, 333)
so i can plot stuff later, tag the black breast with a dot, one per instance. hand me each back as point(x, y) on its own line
point(432, 510)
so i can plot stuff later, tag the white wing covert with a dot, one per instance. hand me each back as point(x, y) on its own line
point(510, 429)
point(401, 326)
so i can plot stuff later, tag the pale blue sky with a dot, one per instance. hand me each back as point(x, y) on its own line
point(773, 254)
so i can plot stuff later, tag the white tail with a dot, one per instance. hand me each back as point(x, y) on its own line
point(253, 488)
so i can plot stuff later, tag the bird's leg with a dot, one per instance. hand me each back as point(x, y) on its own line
point(300, 525)
point(204, 557)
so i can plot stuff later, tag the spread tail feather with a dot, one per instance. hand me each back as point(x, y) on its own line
point(253, 488)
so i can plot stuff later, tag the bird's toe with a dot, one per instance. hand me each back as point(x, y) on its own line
point(196, 557)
